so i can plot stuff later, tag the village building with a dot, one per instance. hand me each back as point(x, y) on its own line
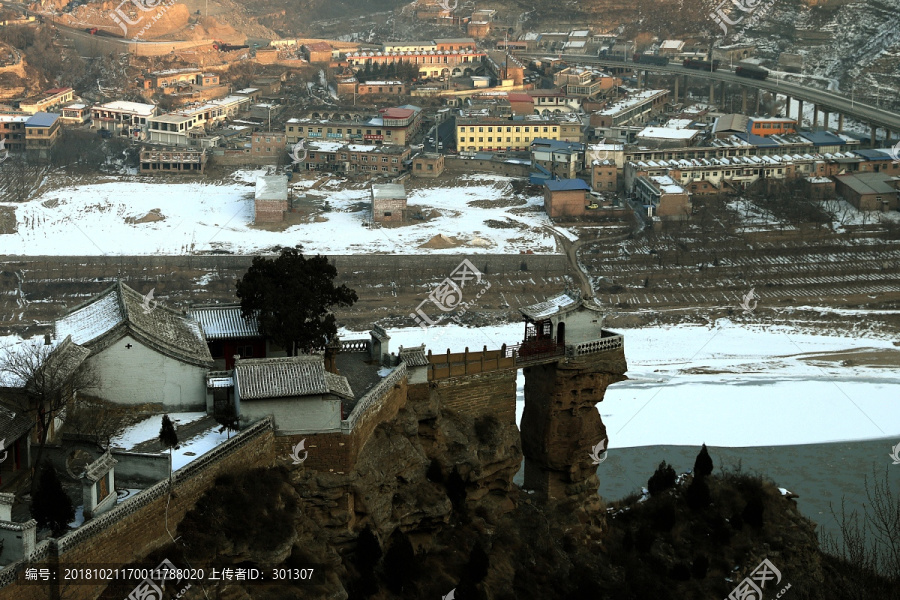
point(766, 126)
point(565, 197)
point(388, 203)
point(173, 159)
point(75, 114)
point(605, 176)
point(583, 81)
point(562, 159)
point(268, 145)
point(431, 63)
point(12, 131)
point(171, 80)
point(270, 199)
point(355, 158)
point(663, 197)
point(428, 164)
point(394, 126)
point(318, 52)
point(49, 100)
point(123, 118)
point(869, 191)
point(381, 87)
point(491, 134)
point(637, 108)
point(228, 334)
point(141, 351)
point(41, 132)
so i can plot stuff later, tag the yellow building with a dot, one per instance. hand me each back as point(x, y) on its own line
point(486, 134)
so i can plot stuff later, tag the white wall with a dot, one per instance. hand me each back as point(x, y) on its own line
point(307, 414)
point(140, 374)
point(581, 325)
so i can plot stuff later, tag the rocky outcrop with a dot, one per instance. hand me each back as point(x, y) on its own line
point(561, 426)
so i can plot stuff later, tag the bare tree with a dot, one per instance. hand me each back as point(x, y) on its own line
point(49, 378)
point(97, 419)
point(870, 541)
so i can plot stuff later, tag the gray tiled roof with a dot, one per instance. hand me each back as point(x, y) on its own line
point(120, 311)
point(224, 321)
point(13, 425)
point(100, 467)
point(303, 375)
point(542, 310)
point(414, 357)
point(62, 362)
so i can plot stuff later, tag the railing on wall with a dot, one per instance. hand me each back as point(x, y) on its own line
point(360, 345)
point(373, 398)
point(612, 341)
point(444, 366)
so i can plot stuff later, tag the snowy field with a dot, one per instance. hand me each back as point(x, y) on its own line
point(728, 385)
point(100, 219)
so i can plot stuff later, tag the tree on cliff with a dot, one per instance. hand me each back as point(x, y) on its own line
point(50, 505)
point(291, 297)
point(703, 465)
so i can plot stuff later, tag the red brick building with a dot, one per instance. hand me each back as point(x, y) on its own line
point(565, 197)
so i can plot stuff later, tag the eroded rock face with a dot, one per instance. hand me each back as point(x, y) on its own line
point(561, 426)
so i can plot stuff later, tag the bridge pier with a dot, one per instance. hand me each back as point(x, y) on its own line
point(874, 135)
point(757, 101)
point(561, 424)
point(840, 122)
point(743, 100)
point(675, 95)
point(722, 95)
point(815, 119)
point(827, 119)
point(787, 106)
point(712, 93)
point(800, 113)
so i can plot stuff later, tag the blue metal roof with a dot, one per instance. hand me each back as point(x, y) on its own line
point(41, 119)
point(565, 185)
point(822, 138)
point(757, 140)
point(871, 154)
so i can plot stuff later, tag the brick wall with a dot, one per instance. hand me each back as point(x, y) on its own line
point(486, 393)
point(138, 526)
point(270, 211)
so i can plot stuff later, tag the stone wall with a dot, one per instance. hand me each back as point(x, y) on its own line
point(491, 393)
point(133, 469)
point(136, 527)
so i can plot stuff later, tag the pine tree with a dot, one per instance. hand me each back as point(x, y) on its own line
point(167, 435)
point(292, 297)
point(703, 465)
point(169, 439)
point(51, 506)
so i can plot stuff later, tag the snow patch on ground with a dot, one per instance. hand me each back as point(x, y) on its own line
point(148, 429)
point(204, 217)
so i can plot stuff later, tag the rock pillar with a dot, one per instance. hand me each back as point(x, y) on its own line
point(561, 424)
